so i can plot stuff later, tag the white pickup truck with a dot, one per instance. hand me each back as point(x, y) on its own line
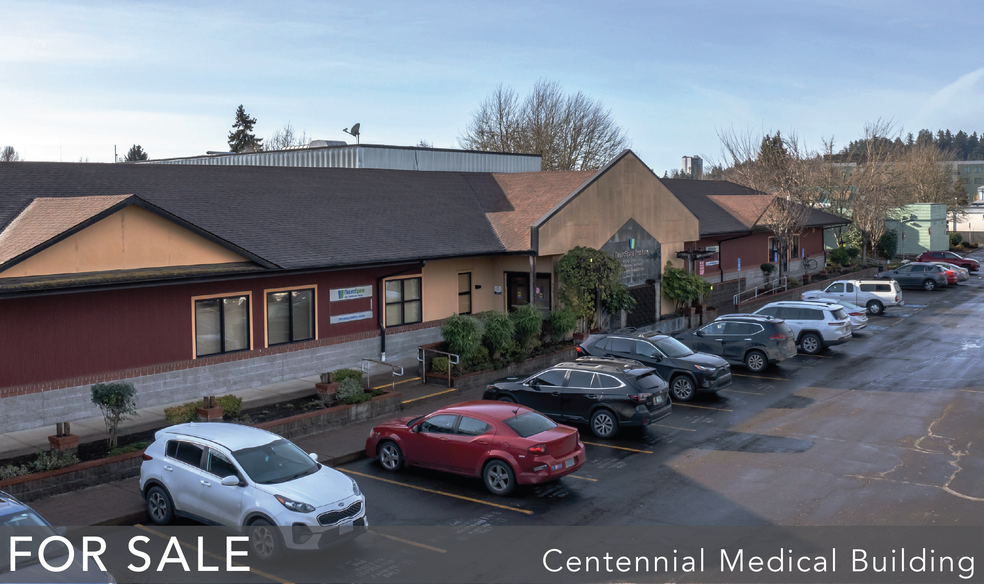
point(875, 295)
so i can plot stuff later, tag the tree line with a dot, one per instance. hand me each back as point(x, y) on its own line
point(957, 147)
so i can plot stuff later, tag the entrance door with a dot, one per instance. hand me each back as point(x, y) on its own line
point(518, 290)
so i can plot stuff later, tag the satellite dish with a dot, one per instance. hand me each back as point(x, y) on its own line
point(354, 131)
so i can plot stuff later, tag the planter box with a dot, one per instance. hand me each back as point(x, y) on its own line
point(41, 485)
point(67, 442)
point(209, 414)
point(333, 417)
point(326, 387)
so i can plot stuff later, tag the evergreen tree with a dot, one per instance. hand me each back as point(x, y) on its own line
point(910, 140)
point(242, 138)
point(136, 153)
point(924, 138)
point(973, 145)
point(960, 151)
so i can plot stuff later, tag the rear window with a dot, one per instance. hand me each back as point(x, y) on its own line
point(783, 328)
point(530, 423)
point(839, 314)
point(649, 381)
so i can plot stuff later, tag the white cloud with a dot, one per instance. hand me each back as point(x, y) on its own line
point(958, 106)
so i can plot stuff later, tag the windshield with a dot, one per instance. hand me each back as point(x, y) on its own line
point(673, 348)
point(530, 423)
point(277, 462)
point(27, 523)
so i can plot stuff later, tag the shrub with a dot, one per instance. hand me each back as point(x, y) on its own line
point(480, 360)
point(563, 323)
point(528, 322)
point(184, 413)
point(10, 471)
point(357, 398)
point(768, 268)
point(955, 239)
point(45, 461)
point(853, 252)
point(118, 402)
point(840, 256)
point(966, 245)
point(462, 334)
point(340, 375)
point(349, 388)
point(887, 245)
point(587, 274)
point(498, 332)
point(684, 288)
point(795, 282)
point(439, 365)
point(230, 404)
point(129, 448)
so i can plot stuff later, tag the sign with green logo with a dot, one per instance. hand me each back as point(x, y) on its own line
point(350, 293)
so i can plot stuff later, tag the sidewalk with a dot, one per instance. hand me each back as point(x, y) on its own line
point(88, 429)
point(120, 503)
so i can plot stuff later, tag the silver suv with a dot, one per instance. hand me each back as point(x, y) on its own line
point(815, 324)
point(231, 475)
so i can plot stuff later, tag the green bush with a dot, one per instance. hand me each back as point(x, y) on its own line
point(462, 334)
point(840, 256)
point(230, 404)
point(184, 413)
point(340, 375)
point(563, 323)
point(349, 388)
point(853, 252)
point(955, 239)
point(129, 448)
point(888, 244)
point(45, 461)
point(498, 332)
point(117, 401)
point(587, 274)
point(684, 288)
point(768, 268)
point(357, 398)
point(528, 322)
point(480, 360)
point(439, 365)
point(966, 245)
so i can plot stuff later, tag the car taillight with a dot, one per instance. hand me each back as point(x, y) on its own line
point(777, 338)
point(837, 323)
point(147, 456)
point(855, 313)
point(538, 449)
point(896, 297)
point(579, 350)
point(640, 397)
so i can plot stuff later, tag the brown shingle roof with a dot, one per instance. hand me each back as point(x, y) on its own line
point(47, 217)
point(745, 208)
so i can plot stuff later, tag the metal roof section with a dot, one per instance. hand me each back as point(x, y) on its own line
point(327, 154)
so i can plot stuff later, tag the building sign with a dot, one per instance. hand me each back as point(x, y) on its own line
point(713, 248)
point(712, 263)
point(350, 293)
point(702, 268)
point(350, 317)
point(497, 289)
point(638, 251)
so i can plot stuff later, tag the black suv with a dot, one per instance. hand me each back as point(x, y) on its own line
point(606, 395)
point(750, 339)
point(685, 370)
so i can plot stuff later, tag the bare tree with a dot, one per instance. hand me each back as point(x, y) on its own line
point(424, 144)
point(875, 190)
point(8, 154)
point(569, 132)
point(286, 137)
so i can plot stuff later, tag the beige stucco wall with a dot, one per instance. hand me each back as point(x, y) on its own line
point(628, 190)
point(131, 238)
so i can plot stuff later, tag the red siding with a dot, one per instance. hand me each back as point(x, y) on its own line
point(753, 250)
point(69, 335)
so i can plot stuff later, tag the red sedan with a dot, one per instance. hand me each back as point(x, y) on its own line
point(503, 443)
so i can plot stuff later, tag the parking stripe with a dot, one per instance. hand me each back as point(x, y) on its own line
point(745, 392)
point(397, 383)
point(757, 377)
point(215, 556)
point(430, 395)
point(582, 478)
point(452, 495)
point(675, 428)
point(617, 447)
point(701, 407)
point(408, 542)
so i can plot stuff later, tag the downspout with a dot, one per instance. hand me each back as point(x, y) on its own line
point(382, 305)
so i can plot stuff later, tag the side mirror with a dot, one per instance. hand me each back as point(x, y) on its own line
point(314, 456)
point(230, 481)
point(415, 429)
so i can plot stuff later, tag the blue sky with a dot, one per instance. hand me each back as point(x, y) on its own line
point(78, 78)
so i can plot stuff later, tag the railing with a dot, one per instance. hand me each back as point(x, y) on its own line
point(771, 287)
point(367, 369)
point(422, 358)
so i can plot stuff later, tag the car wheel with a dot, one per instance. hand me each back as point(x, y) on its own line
point(499, 478)
point(264, 540)
point(875, 307)
point(929, 285)
point(604, 424)
point(756, 361)
point(507, 399)
point(390, 456)
point(811, 343)
point(159, 505)
point(682, 388)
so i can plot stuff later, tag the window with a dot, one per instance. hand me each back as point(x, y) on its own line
point(403, 305)
point(715, 328)
point(605, 344)
point(645, 349)
point(472, 427)
point(621, 346)
point(442, 424)
point(530, 423)
point(768, 311)
point(966, 169)
point(977, 170)
point(290, 316)
point(580, 379)
point(835, 288)
point(185, 452)
point(966, 179)
point(221, 325)
point(554, 377)
point(850, 287)
point(977, 181)
point(219, 465)
point(811, 314)
point(789, 313)
point(608, 382)
point(739, 328)
point(464, 293)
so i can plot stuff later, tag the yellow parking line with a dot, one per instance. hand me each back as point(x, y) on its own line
point(758, 376)
point(215, 556)
point(582, 478)
point(430, 395)
point(517, 509)
point(408, 542)
point(617, 447)
point(748, 392)
point(675, 428)
point(701, 407)
point(396, 383)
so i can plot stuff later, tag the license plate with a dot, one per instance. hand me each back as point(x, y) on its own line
point(569, 462)
point(658, 399)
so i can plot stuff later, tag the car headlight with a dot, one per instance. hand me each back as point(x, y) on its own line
point(295, 505)
point(355, 487)
point(705, 368)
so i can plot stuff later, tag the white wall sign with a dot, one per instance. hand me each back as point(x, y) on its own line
point(350, 293)
point(497, 289)
point(712, 248)
point(713, 262)
point(350, 317)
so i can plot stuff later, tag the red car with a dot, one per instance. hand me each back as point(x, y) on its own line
point(949, 257)
point(951, 276)
point(503, 443)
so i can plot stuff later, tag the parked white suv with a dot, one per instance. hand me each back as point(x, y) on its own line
point(231, 475)
point(875, 295)
point(815, 324)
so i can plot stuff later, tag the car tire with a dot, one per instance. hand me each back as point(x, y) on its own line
point(265, 542)
point(507, 399)
point(499, 477)
point(390, 456)
point(756, 361)
point(604, 423)
point(682, 388)
point(875, 307)
point(929, 285)
point(811, 343)
point(160, 507)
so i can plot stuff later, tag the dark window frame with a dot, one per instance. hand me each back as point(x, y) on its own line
point(290, 315)
point(403, 301)
point(468, 293)
point(222, 325)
